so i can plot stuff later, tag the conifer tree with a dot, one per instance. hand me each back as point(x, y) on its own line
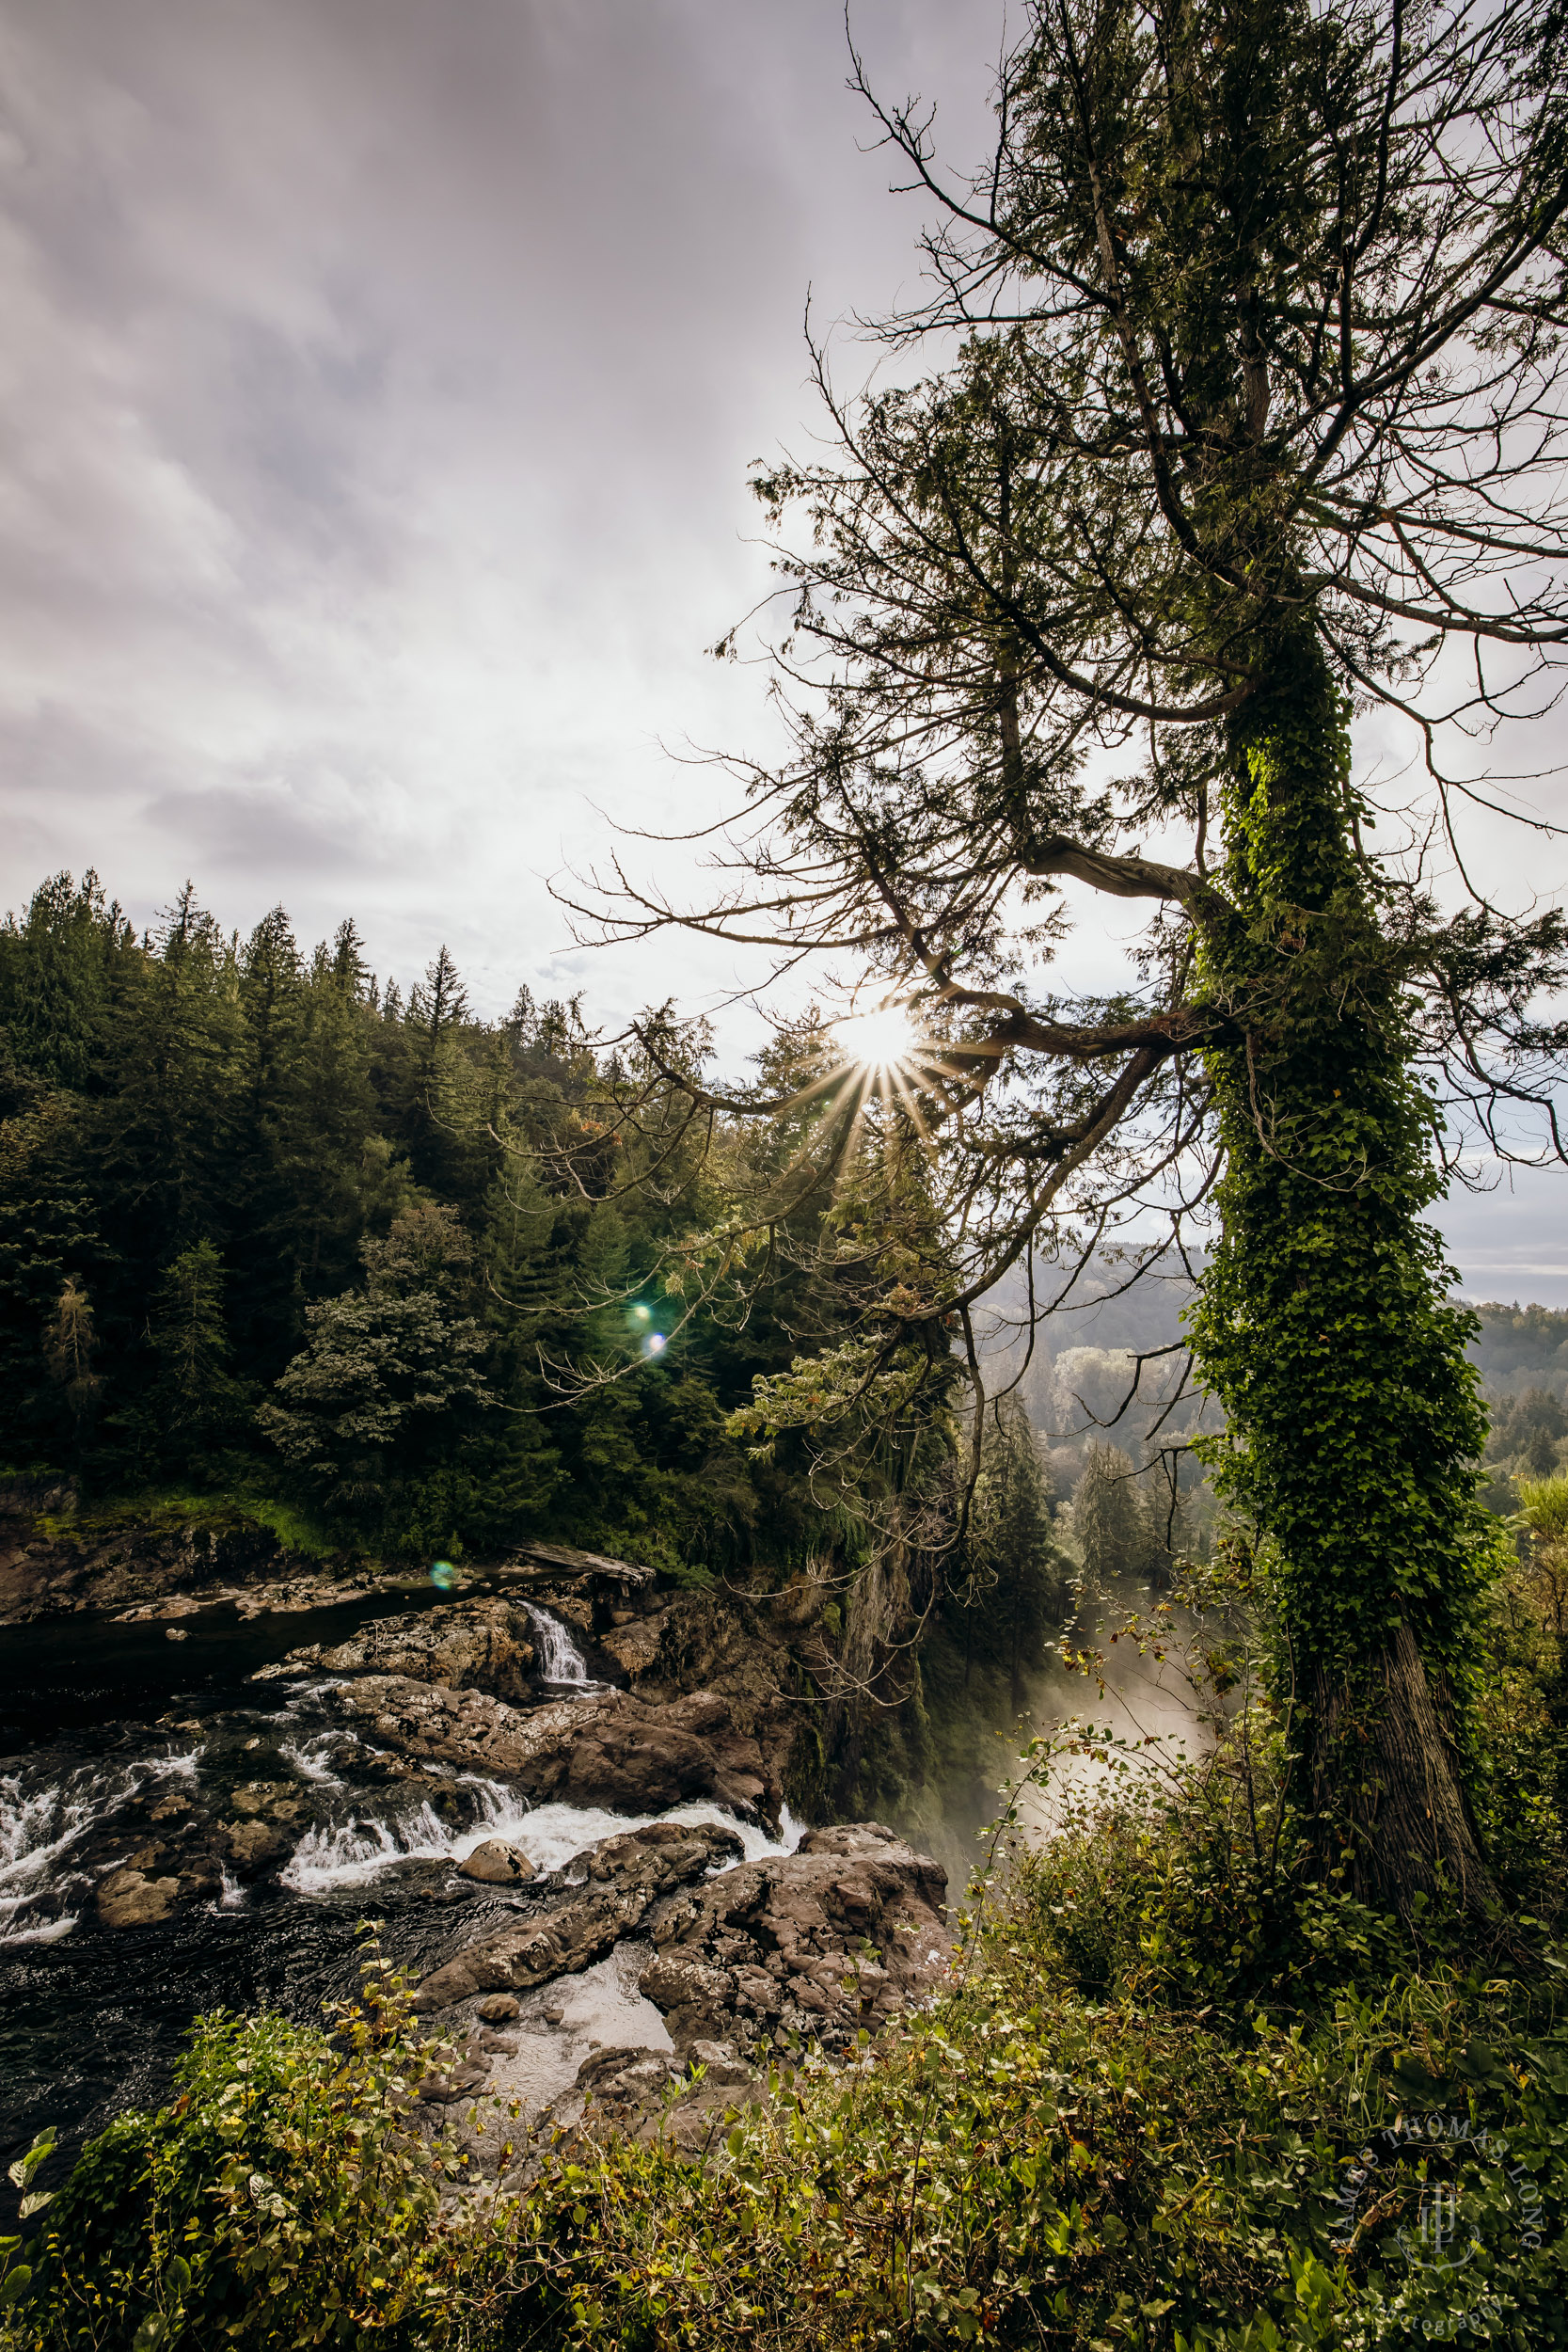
point(1248, 404)
point(52, 984)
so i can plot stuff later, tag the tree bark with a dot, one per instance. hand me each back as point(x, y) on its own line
point(1383, 1773)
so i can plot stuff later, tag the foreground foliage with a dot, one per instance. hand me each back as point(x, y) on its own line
point(1185, 2092)
point(281, 2197)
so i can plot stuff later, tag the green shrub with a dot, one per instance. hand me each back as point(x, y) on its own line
point(282, 2198)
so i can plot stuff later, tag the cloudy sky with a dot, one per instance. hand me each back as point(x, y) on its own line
point(377, 390)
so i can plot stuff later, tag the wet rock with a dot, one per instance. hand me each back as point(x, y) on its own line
point(278, 1799)
point(496, 1863)
point(251, 1845)
point(497, 2009)
point(129, 1899)
point(576, 1609)
point(472, 1645)
point(626, 1877)
point(604, 1749)
point(780, 1946)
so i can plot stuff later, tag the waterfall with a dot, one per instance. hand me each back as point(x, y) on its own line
point(560, 1659)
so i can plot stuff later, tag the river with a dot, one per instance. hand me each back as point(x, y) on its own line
point(105, 1727)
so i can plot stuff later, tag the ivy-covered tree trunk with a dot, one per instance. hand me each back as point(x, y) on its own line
point(1323, 1325)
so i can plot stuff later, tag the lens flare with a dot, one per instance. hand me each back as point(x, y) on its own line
point(653, 1344)
point(443, 1576)
point(878, 1040)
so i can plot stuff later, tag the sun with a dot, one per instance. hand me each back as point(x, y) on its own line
point(880, 1040)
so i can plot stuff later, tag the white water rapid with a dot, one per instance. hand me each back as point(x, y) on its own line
point(48, 1873)
point(42, 1819)
point(560, 1659)
point(355, 1850)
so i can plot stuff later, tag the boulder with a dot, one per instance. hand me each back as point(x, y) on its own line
point(499, 2008)
point(624, 1878)
point(496, 1863)
point(819, 1943)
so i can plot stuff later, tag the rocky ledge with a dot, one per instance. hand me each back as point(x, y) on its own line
point(840, 1934)
point(472, 1645)
point(791, 1951)
point(605, 1748)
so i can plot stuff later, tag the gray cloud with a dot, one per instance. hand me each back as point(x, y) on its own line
point(383, 379)
point(379, 384)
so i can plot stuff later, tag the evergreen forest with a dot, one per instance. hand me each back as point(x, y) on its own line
point(271, 1230)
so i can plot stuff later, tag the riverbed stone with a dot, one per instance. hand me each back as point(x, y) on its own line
point(497, 2009)
point(251, 1845)
point(130, 1899)
point(279, 1800)
point(496, 1863)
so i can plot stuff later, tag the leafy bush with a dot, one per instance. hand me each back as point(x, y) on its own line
point(283, 2198)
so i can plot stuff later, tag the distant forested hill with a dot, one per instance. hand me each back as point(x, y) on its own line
point(1523, 1347)
point(1083, 1350)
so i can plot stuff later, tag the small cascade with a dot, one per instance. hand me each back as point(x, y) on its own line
point(560, 1659)
point(310, 1757)
point(42, 1816)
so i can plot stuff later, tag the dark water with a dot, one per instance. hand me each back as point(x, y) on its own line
point(75, 1673)
point(92, 2025)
